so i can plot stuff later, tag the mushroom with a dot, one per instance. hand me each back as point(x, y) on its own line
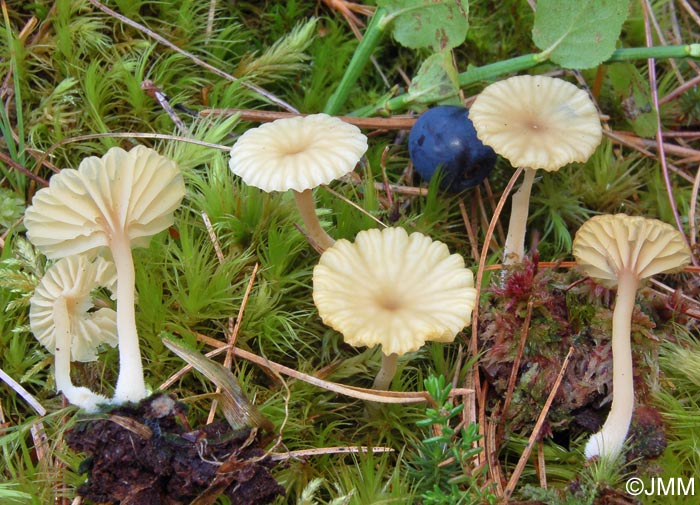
point(534, 122)
point(393, 289)
point(620, 250)
point(61, 318)
point(116, 202)
point(299, 153)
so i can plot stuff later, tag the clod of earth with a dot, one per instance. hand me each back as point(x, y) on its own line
point(147, 454)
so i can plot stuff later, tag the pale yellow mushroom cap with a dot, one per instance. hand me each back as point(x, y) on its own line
point(393, 289)
point(537, 121)
point(608, 244)
point(74, 278)
point(124, 192)
point(297, 153)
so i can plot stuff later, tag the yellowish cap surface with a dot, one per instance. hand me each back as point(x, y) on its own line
point(393, 289)
point(297, 153)
point(537, 121)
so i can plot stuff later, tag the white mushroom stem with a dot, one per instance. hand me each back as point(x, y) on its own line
point(79, 396)
point(307, 208)
point(386, 372)
point(130, 383)
point(514, 250)
point(608, 442)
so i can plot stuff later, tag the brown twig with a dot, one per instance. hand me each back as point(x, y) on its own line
point(353, 204)
point(305, 453)
point(210, 21)
point(627, 139)
point(664, 42)
point(680, 90)
point(212, 236)
point(162, 40)
point(515, 368)
point(20, 168)
point(535, 435)
point(682, 135)
point(495, 470)
point(150, 88)
point(402, 190)
point(541, 464)
point(233, 332)
point(128, 135)
point(351, 391)
point(473, 342)
point(486, 220)
point(492, 202)
point(470, 231)
point(265, 116)
point(692, 211)
point(691, 12)
point(647, 10)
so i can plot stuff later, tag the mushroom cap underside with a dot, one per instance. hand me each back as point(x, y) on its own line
point(74, 278)
point(608, 244)
point(132, 193)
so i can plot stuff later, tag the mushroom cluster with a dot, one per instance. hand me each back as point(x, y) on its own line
point(109, 205)
point(620, 250)
point(388, 288)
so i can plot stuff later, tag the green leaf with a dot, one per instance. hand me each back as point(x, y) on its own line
point(438, 24)
point(238, 410)
point(632, 91)
point(579, 33)
point(436, 81)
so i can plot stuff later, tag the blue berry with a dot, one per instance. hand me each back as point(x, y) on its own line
point(445, 137)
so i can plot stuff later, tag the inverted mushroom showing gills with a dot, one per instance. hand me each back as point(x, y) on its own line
point(620, 250)
point(393, 289)
point(62, 319)
point(115, 202)
point(535, 122)
point(299, 153)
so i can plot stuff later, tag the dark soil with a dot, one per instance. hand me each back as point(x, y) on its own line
point(147, 454)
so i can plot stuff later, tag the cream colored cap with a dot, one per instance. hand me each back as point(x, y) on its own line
point(297, 153)
point(537, 121)
point(74, 278)
point(393, 289)
point(608, 244)
point(133, 193)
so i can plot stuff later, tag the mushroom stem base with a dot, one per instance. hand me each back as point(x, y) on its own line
point(609, 441)
point(81, 397)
